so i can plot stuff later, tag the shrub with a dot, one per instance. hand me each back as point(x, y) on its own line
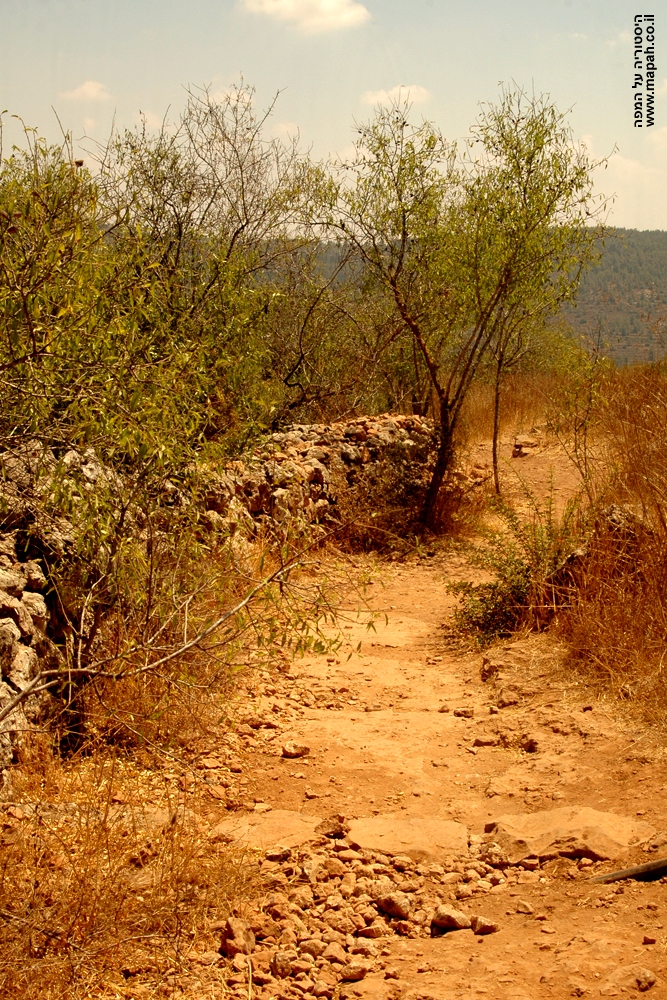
point(527, 560)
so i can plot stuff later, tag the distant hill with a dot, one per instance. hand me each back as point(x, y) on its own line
point(626, 293)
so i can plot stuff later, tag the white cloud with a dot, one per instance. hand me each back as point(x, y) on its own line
point(89, 124)
point(312, 16)
point(412, 92)
point(640, 201)
point(577, 34)
point(91, 90)
point(285, 131)
point(620, 38)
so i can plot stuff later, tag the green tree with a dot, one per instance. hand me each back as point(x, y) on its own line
point(462, 242)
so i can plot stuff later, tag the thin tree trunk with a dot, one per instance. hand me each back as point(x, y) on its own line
point(430, 510)
point(496, 428)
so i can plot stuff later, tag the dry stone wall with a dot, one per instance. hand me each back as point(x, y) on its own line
point(296, 477)
point(300, 471)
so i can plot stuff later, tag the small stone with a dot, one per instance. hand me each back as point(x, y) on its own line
point(523, 906)
point(377, 929)
point(281, 965)
point(394, 904)
point(313, 947)
point(508, 697)
point(293, 750)
point(483, 925)
point(334, 827)
point(304, 964)
point(334, 953)
point(278, 853)
point(464, 713)
point(648, 939)
point(391, 973)
point(366, 948)
point(354, 970)
point(448, 918)
point(444, 708)
point(350, 855)
point(238, 937)
point(334, 867)
point(489, 668)
point(241, 962)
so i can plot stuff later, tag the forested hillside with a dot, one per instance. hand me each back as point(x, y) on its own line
point(627, 294)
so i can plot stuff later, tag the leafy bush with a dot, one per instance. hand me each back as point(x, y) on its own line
point(527, 560)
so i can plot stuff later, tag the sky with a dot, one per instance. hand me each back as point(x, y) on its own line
point(88, 63)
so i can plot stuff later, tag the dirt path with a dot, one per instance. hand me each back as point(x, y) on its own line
point(418, 756)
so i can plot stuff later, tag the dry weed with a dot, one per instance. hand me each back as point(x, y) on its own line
point(112, 887)
point(524, 405)
point(617, 622)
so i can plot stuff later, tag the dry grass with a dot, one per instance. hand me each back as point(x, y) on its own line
point(109, 880)
point(524, 402)
point(109, 884)
point(617, 624)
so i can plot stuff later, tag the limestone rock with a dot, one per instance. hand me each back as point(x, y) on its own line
point(571, 831)
point(32, 572)
point(418, 837)
point(394, 904)
point(12, 608)
point(483, 925)
point(11, 582)
point(36, 606)
point(238, 937)
point(24, 666)
point(448, 918)
point(9, 639)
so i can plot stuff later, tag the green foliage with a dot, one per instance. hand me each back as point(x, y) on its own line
point(526, 560)
point(489, 611)
point(472, 249)
point(159, 315)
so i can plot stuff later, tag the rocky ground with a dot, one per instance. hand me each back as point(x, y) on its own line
point(427, 823)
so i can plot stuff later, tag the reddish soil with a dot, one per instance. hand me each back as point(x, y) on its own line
point(380, 746)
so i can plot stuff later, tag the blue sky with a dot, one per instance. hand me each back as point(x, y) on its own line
point(91, 60)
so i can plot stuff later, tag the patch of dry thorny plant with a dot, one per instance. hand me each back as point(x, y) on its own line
point(105, 895)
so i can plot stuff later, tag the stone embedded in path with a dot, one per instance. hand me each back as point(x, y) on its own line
point(280, 827)
point(571, 831)
point(293, 750)
point(418, 837)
